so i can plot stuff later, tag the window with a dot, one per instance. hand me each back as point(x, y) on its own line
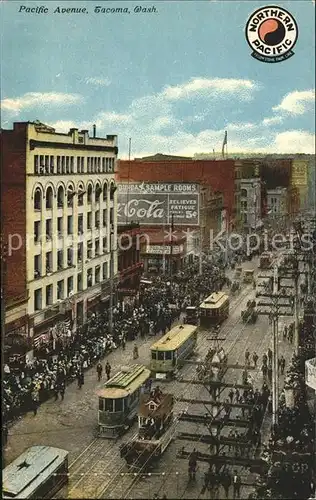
point(38, 299)
point(104, 218)
point(105, 192)
point(99, 165)
point(63, 165)
point(67, 165)
point(46, 164)
point(89, 220)
point(37, 266)
point(49, 295)
point(104, 244)
point(103, 165)
point(112, 191)
point(111, 216)
point(160, 356)
point(52, 164)
point(118, 404)
point(88, 164)
point(81, 192)
point(105, 270)
point(111, 165)
point(49, 198)
point(89, 194)
point(69, 224)
point(107, 164)
point(41, 167)
point(60, 226)
point(71, 164)
point(70, 196)
point(80, 252)
point(49, 262)
point(168, 355)
point(37, 231)
point(79, 282)
point(78, 164)
point(82, 164)
point(70, 257)
point(97, 247)
point(108, 405)
point(60, 197)
point(36, 164)
point(89, 249)
point(49, 229)
point(60, 290)
point(60, 260)
point(97, 274)
point(58, 165)
point(80, 224)
point(89, 277)
point(70, 285)
point(37, 199)
point(97, 219)
point(97, 193)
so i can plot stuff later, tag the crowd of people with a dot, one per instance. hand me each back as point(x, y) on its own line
point(152, 311)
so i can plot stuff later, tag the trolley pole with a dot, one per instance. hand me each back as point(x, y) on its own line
point(275, 354)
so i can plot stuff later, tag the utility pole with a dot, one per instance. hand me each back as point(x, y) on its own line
point(111, 277)
point(201, 253)
point(275, 353)
point(171, 247)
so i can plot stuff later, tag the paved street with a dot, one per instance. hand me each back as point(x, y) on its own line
point(96, 469)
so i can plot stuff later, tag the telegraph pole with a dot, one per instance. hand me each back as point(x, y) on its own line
point(111, 277)
point(171, 246)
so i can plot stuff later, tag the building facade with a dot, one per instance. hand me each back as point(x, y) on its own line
point(68, 224)
point(250, 203)
point(130, 267)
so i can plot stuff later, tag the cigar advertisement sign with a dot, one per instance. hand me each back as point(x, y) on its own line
point(158, 203)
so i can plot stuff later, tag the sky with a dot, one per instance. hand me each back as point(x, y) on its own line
point(173, 80)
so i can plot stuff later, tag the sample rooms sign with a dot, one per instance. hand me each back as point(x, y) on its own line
point(156, 203)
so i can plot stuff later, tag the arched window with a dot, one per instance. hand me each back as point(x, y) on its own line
point(37, 199)
point(81, 192)
point(60, 197)
point(98, 192)
point(243, 193)
point(105, 191)
point(70, 196)
point(89, 196)
point(112, 190)
point(49, 198)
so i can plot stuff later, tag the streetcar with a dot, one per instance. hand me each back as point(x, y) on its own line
point(249, 275)
point(119, 399)
point(38, 473)
point(169, 353)
point(238, 273)
point(156, 427)
point(214, 310)
point(192, 315)
point(265, 260)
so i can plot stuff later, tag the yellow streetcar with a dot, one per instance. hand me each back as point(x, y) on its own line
point(168, 353)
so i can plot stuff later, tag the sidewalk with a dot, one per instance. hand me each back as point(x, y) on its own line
point(70, 424)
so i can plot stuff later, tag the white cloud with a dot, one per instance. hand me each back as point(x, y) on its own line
point(98, 81)
point(297, 102)
point(274, 120)
point(38, 99)
point(294, 141)
point(241, 126)
point(216, 87)
point(113, 117)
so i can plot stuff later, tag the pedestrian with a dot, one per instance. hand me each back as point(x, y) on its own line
point(237, 396)
point(62, 390)
point(123, 343)
point(255, 359)
point(80, 378)
point(231, 395)
point(282, 364)
point(285, 333)
point(35, 402)
point(55, 392)
point(264, 370)
point(226, 482)
point(247, 356)
point(270, 374)
point(99, 371)
point(135, 351)
point(5, 434)
point(269, 356)
point(108, 369)
point(236, 485)
point(264, 359)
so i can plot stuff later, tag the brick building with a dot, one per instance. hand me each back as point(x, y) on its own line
point(59, 197)
point(216, 180)
point(130, 267)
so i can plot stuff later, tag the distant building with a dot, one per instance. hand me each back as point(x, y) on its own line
point(250, 203)
point(277, 202)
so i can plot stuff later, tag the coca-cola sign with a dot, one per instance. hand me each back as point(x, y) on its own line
point(156, 203)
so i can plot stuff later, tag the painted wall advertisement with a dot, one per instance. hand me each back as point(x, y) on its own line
point(155, 203)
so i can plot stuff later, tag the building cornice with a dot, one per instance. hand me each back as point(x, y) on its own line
point(79, 147)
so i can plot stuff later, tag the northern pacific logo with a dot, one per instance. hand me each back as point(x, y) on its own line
point(272, 33)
